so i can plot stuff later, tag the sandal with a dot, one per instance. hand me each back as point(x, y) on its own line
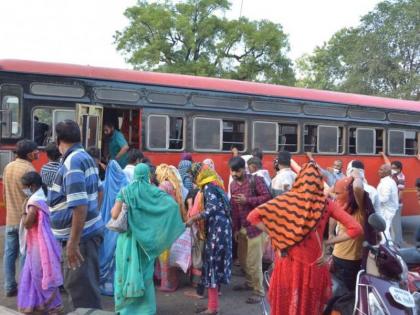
point(204, 310)
point(254, 299)
point(242, 287)
point(193, 294)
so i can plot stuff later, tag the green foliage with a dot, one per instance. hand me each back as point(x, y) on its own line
point(379, 57)
point(193, 37)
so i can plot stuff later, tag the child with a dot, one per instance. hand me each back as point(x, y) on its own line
point(41, 274)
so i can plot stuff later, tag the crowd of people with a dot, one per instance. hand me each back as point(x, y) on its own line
point(61, 237)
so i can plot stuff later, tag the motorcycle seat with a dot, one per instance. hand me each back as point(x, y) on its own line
point(411, 256)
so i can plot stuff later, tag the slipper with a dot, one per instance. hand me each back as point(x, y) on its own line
point(193, 294)
point(242, 287)
point(254, 299)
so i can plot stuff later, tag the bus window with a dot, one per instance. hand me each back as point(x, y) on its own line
point(176, 133)
point(11, 114)
point(42, 123)
point(212, 134)
point(44, 120)
point(265, 136)
point(328, 139)
point(310, 140)
point(323, 139)
point(171, 127)
point(402, 142)
point(365, 140)
point(288, 137)
point(207, 134)
point(233, 135)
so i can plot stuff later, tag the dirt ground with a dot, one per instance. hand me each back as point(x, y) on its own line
point(231, 302)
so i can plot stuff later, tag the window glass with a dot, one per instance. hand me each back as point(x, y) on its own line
point(57, 90)
point(11, 115)
point(265, 136)
point(411, 145)
point(365, 141)
point(222, 102)
point(167, 98)
point(157, 132)
point(288, 137)
point(233, 135)
point(176, 133)
point(165, 132)
point(327, 139)
point(207, 132)
point(117, 95)
point(310, 138)
point(330, 141)
point(42, 125)
point(402, 142)
point(44, 120)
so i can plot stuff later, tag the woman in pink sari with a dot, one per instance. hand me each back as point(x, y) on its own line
point(41, 276)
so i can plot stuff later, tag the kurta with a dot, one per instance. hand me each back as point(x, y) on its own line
point(217, 257)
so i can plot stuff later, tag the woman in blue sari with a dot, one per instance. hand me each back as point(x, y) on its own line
point(154, 223)
point(115, 179)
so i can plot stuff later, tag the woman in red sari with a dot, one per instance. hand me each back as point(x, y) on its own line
point(295, 221)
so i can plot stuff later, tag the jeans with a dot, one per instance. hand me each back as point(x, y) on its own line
point(346, 271)
point(11, 254)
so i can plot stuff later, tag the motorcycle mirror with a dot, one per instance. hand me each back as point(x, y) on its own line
point(377, 222)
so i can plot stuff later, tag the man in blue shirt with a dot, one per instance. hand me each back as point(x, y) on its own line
point(74, 199)
point(117, 145)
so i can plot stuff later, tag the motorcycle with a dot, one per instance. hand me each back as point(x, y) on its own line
point(411, 256)
point(382, 288)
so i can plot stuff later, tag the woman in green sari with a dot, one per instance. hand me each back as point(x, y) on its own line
point(154, 223)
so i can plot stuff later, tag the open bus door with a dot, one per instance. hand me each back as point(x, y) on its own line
point(89, 118)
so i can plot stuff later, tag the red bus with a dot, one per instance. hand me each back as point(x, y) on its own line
point(167, 114)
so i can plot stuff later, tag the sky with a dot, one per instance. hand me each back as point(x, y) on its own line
point(81, 31)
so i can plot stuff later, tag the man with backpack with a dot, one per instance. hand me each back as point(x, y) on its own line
point(248, 192)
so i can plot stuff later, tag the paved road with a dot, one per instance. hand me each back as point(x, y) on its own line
point(232, 303)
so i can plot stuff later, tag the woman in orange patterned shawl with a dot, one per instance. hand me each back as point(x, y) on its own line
point(295, 221)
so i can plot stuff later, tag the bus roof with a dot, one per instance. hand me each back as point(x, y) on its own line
point(203, 83)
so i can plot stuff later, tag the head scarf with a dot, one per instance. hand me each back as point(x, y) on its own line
point(209, 163)
point(207, 175)
point(165, 172)
point(153, 215)
point(350, 169)
point(115, 179)
point(290, 217)
point(154, 223)
point(184, 169)
point(195, 169)
point(186, 156)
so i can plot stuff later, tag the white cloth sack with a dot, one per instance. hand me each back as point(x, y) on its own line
point(180, 253)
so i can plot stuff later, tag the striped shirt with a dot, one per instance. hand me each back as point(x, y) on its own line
point(48, 172)
point(76, 184)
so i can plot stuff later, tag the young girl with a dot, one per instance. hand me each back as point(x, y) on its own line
point(41, 274)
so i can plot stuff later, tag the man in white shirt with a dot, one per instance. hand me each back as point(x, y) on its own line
point(285, 177)
point(255, 168)
point(388, 197)
point(135, 157)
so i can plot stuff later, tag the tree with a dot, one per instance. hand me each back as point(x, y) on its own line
point(192, 37)
point(379, 57)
